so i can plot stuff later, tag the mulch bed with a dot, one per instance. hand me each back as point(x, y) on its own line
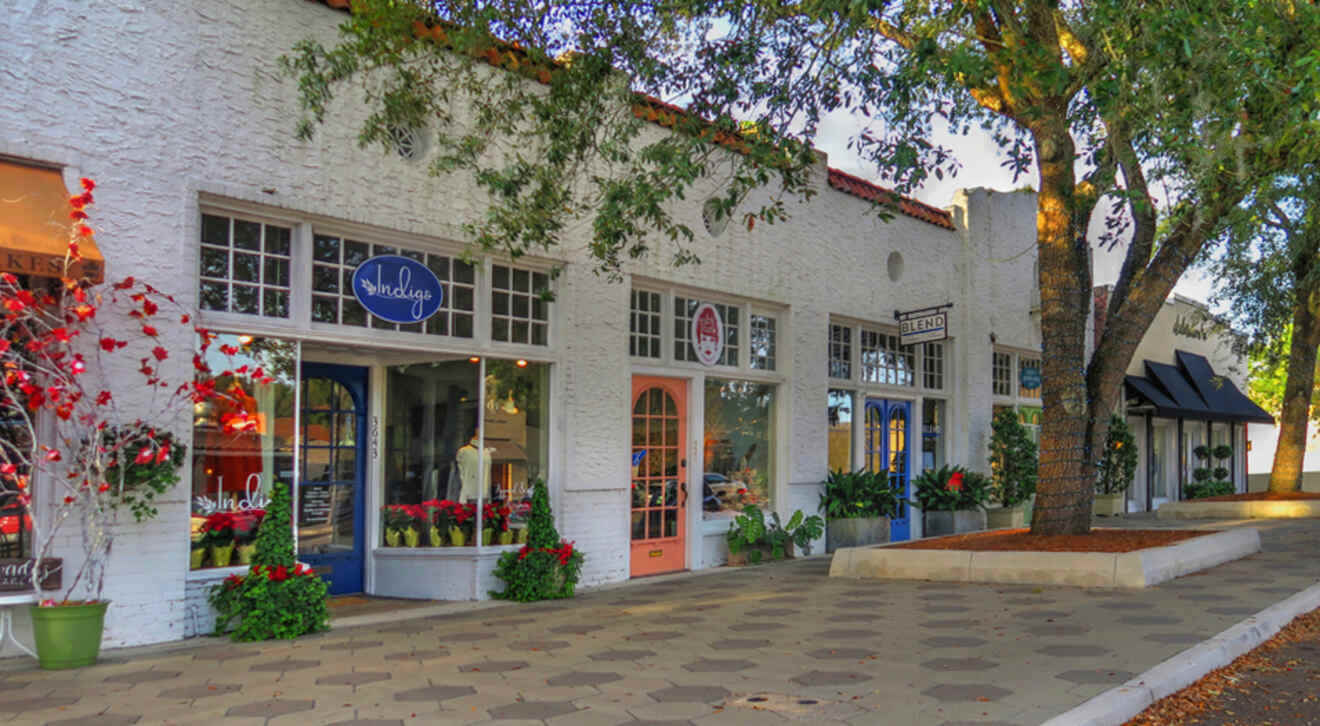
point(1263, 497)
point(1277, 683)
point(1021, 540)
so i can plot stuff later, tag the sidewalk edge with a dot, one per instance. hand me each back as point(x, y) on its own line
point(1121, 703)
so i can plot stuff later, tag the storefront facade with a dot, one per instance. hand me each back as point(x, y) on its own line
point(655, 407)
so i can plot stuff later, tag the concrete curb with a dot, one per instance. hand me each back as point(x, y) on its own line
point(1121, 703)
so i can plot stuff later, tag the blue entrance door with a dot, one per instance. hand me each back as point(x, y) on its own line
point(333, 472)
point(888, 424)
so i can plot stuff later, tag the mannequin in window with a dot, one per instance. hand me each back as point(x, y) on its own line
point(467, 461)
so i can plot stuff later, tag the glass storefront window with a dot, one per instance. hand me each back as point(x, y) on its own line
point(432, 449)
point(738, 447)
point(242, 443)
point(932, 434)
point(840, 430)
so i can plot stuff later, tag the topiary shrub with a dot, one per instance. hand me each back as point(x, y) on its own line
point(1118, 462)
point(1013, 460)
point(547, 567)
point(278, 597)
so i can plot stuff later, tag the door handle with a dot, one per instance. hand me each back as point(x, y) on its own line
point(683, 488)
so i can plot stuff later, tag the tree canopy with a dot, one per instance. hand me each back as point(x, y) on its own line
point(1171, 110)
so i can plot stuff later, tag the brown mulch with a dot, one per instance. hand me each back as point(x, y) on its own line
point(1263, 497)
point(1021, 540)
point(1277, 683)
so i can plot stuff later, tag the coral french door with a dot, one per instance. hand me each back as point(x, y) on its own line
point(659, 475)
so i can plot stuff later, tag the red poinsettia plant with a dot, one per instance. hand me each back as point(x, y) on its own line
point(495, 515)
point(403, 516)
point(245, 524)
point(86, 400)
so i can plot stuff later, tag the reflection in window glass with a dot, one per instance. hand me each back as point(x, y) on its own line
point(242, 442)
point(430, 413)
point(738, 447)
point(684, 309)
point(762, 343)
point(1001, 374)
point(840, 351)
point(932, 433)
point(840, 430)
point(1023, 390)
point(517, 426)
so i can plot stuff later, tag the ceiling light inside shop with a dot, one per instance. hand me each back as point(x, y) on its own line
point(245, 339)
point(521, 364)
point(474, 359)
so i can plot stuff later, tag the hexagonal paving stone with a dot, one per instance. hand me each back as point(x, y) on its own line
point(370, 722)
point(1149, 620)
point(357, 678)
point(613, 655)
point(538, 644)
point(652, 722)
point(271, 709)
point(576, 629)
point(953, 641)
point(509, 622)
point(100, 719)
point(467, 637)
point(759, 627)
point(675, 620)
point(1276, 590)
point(281, 666)
point(770, 612)
point(630, 603)
point(1232, 611)
point(1095, 677)
point(941, 596)
point(1204, 596)
point(829, 678)
point(962, 692)
point(1177, 638)
point(959, 624)
point(846, 634)
point(1042, 614)
point(841, 653)
point(959, 664)
point(979, 723)
point(690, 694)
point(223, 654)
point(353, 645)
point(582, 678)
point(418, 654)
point(192, 693)
point(852, 605)
point(434, 693)
point(739, 644)
point(946, 609)
point(654, 635)
point(1054, 630)
point(1029, 601)
point(532, 710)
point(718, 665)
point(493, 666)
point(852, 618)
point(940, 586)
point(1073, 651)
point(1124, 605)
point(147, 676)
point(37, 703)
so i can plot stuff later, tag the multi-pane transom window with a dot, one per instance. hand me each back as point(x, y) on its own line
point(1001, 374)
point(932, 366)
point(684, 309)
point(885, 361)
point(334, 260)
point(840, 351)
point(245, 267)
point(1023, 390)
point(518, 312)
point(644, 325)
point(761, 346)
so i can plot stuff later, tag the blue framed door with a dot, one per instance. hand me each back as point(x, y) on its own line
point(888, 429)
point(332, 487)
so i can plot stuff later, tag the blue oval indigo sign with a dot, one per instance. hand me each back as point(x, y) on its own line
point(397, 289)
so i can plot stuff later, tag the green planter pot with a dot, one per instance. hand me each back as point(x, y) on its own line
point(68, 636)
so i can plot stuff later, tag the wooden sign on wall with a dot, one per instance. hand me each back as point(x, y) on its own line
point(16, 574)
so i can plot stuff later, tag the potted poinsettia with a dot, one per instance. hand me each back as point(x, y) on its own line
point(245, 524)
point(951, 499)
point(85, 393)
point(218, 537)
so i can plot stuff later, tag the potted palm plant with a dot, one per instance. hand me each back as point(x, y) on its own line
point(1012, 471)
point(1118, 466)
point(857, 507)
point(951, 499)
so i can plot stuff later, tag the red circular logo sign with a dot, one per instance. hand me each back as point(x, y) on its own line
point(707, 334)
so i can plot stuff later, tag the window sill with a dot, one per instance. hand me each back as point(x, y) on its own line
point(442, 552)
point(215, 573)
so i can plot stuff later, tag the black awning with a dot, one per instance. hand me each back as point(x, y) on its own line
point(1192, 389)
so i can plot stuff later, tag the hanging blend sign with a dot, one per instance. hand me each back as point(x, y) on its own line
point(397, 289)
point(925, 328)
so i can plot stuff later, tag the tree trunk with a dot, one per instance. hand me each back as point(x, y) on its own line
point(1066, 479)
point(1286, 476)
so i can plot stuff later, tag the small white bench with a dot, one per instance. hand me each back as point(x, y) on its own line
point(9, 601)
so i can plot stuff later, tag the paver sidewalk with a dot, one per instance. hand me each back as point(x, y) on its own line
point(690, 650)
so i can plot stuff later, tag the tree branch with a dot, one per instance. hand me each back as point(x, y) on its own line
point(1142, 206)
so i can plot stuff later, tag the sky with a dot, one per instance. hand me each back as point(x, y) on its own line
point(981, 162)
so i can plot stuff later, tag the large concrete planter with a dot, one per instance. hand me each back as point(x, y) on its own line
point(856, 532)
point(1110, 505)
point(1006, 517)
point(940, 523)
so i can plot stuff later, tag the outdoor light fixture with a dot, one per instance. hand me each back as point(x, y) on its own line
point(474, 359)
point(521, 364)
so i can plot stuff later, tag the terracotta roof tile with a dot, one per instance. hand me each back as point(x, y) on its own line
point(666, 114)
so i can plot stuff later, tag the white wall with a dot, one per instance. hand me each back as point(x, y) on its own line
point(162, 105)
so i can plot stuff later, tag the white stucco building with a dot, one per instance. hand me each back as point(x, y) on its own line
point(181, 116)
